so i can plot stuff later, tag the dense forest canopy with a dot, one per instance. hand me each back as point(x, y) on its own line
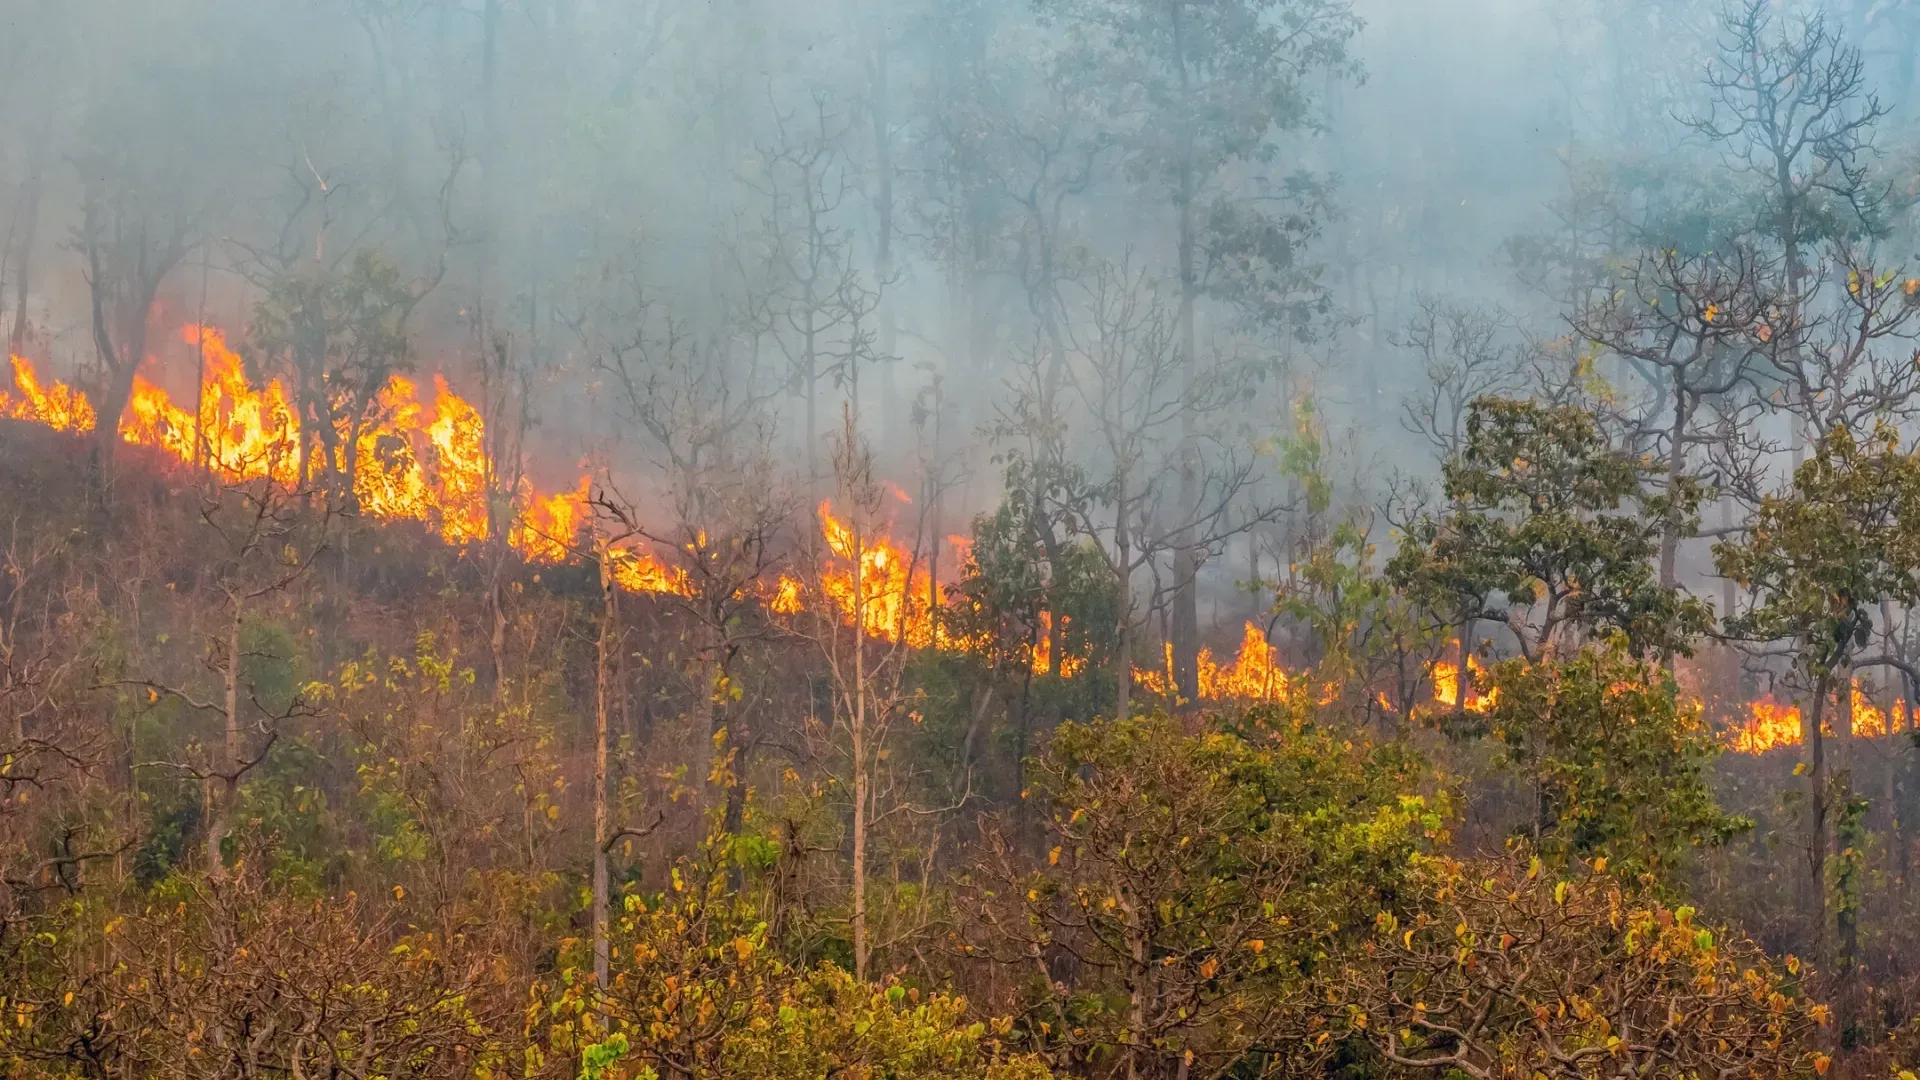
point(1164, 539)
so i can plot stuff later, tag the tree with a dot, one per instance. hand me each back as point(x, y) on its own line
point(1196, 89)
point(1033, 602)
point(342, 332)
point(1507, 972)
point(1617, 765)
point(702, 421)
point(1192, 883)
point(699, 993)
point(1127, 489)
point(1690, 327)
point(1551, 532)
point(264, 549)
point(131, 238)
point(1819, 559)
point(226, 980)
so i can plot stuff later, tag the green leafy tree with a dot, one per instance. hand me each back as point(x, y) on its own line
point(1551, 532)
point(1503, 972)
point(1192, 885)
point(1820, 558)
point(341, 331)
point(1616, 764)
point(697, 991)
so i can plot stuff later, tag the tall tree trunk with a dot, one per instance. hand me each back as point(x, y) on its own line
point(1676, 464)
point(883, 211)
point(608, 600)
point(1185, 621)
point(23, 258)
point(222, 788)
point(1817, 802)
point(1123, 586)
point(860, 779)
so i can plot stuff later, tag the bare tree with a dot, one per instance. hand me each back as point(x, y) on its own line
point(262, 534)
point(1132, 390)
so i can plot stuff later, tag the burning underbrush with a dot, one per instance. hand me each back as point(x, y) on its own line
point(421, 461)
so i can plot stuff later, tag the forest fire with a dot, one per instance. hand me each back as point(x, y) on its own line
point(425, 459)
point(416, 460)
point(1253, 675)
point(1446, 685)
point(59, 406)
point(1770, 725)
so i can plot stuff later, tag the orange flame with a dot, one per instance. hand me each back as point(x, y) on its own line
point(1070, 665)
point(1446, 685)
point(1254, 675)
point(59, 407)
point(547, 527)
point(892, 599)
point(639, 572)
point(412, 460)
point(1769, 725)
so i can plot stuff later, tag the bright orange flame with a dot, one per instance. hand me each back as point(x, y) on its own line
point(1446, 685)
point(1254, 675)
point(59, 406)
point(892, 599)
point(786, 596)
point(1070, 665)
point(412, 460)
point(241, 433)
point(1869, 722)
point(639, 572)
point(547, 526)
point(1769, 725)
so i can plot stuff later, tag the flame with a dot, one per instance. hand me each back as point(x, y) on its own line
point(639, 572)
point(1869, 722)
point(1254, 675)
point(786, 597)
point(1769, 725)
point(1446, 685)
point(413, 460)
point(547, 527)
point(59, 407)
point(1070, 665)
point(892, 599)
